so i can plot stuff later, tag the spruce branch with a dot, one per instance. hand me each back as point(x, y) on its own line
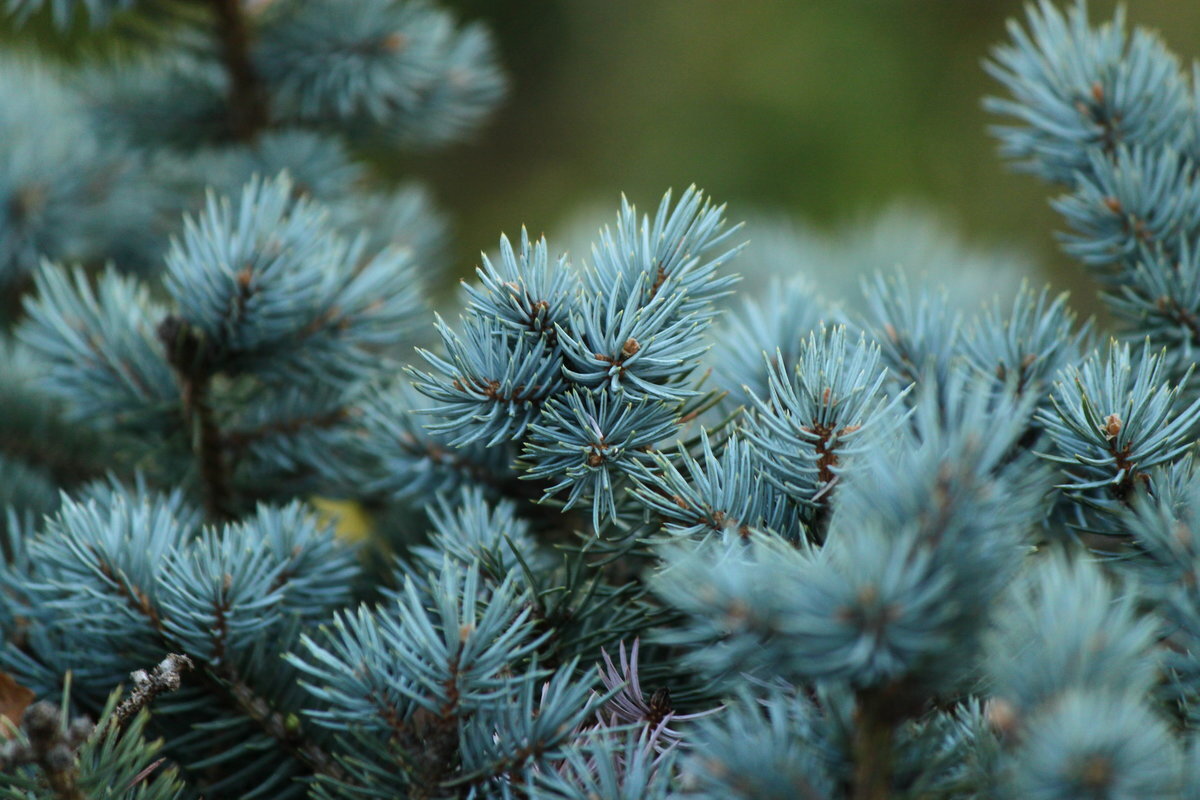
point(50, 744)
point(872, 747)
point(238, 440)
point(879, 712)
point(78, 760)
point(836, 558)
point(217, 676)
point(248, 114)
point(285, 729)
point(166, 676)
point(190, 359)
point(628, 705)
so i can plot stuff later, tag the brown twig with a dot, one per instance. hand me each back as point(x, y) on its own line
point(247, 98)
point(826, 446)
point(165, 677)
point(207, 444)
point(286, 731)
point(240, 440)
point(872, 745)
point(190, 360)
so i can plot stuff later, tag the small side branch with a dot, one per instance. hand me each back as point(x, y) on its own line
point(50, 746)
point(223, 683)
point(287, 731)
point(165, 677)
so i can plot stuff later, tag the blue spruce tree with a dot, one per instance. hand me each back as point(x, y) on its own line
point(624, 547)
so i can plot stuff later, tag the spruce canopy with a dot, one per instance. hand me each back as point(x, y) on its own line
point(628, 540)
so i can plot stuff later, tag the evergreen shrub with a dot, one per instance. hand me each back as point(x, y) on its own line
point(628, 540)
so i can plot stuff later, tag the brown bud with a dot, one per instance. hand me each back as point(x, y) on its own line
point(1183, 534)
point(28, 200)
point(1113, 205)
point(630, 347)
point(1112, 426)
point(40, 720)
point(256, 7)
point(58, 758)
point(1097, 772)
point(660, 702)
point(1002, 716)
point(737, 612)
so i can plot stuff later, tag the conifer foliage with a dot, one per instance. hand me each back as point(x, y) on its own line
point(623, 547)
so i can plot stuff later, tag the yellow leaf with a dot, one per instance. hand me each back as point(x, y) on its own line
point(350, 522)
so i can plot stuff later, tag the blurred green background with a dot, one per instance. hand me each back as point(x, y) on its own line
point(825, 111)
point(821, 111)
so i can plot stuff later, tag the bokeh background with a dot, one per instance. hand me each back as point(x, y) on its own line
point(825, 112)
point(817, 112)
